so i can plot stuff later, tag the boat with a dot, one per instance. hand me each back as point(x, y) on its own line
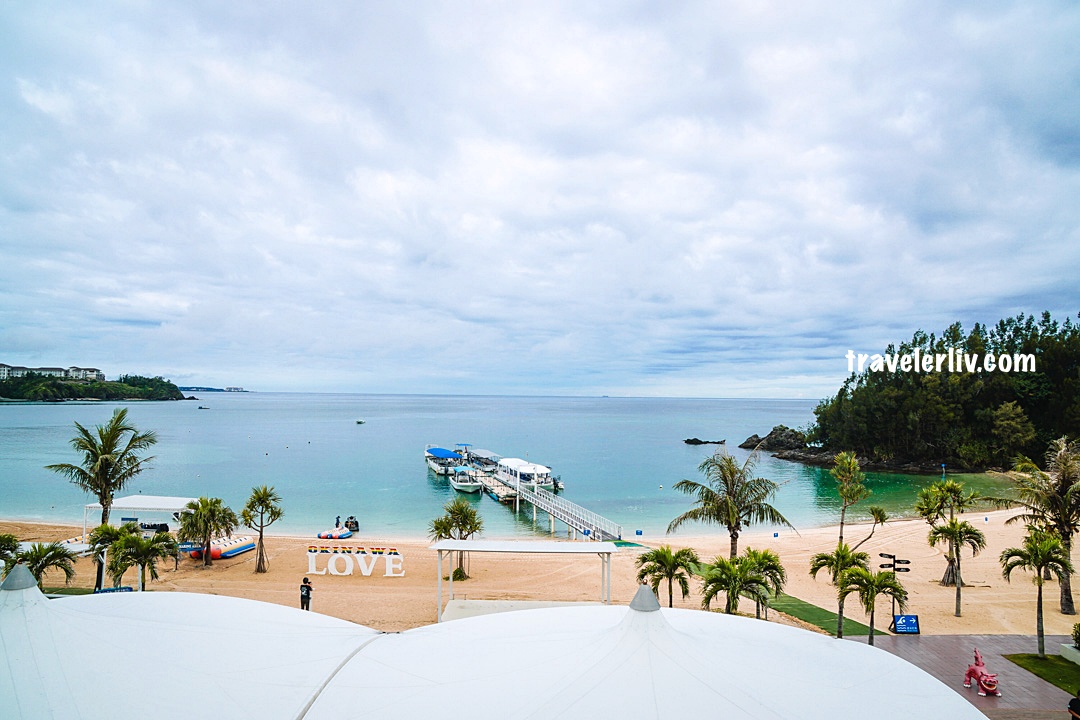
point(227, 547)
point(442, 461)
point(484, 460)
point(338, 533)
point(360, 422)
point(466, 479)
point(515, 471)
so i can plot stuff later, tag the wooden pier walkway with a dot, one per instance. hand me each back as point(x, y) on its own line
point(579, 519)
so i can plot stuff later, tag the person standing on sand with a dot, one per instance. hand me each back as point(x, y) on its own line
point(305, 594)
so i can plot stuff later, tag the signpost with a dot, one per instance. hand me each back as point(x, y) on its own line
point(894, 565)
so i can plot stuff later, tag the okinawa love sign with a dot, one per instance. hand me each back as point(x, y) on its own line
point(344, 559)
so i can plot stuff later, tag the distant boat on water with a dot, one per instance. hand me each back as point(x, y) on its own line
point(360, 422)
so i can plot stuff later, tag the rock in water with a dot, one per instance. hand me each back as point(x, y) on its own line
point(696, 441)
point(780, 438)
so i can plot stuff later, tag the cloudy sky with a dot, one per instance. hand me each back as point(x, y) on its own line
point(684, 199)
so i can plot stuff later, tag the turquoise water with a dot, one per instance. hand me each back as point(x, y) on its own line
point(613, 454)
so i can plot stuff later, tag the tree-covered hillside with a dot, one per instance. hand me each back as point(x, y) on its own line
point(966, 419)
point(128, 387)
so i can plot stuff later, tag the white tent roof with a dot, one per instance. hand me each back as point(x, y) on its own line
point(235, 658)
point(148, 503)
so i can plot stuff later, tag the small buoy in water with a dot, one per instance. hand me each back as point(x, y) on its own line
point(661, 487)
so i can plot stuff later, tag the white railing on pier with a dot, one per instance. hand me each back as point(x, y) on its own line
point(575, 516)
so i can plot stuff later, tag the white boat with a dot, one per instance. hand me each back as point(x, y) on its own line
point(514, 471)
point(483, 460)
point(442, 461)
point(466, 479)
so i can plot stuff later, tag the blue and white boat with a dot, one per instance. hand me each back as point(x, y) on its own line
point(442, 461)
point(466, 479)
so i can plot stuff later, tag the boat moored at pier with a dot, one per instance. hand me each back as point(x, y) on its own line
point(442, 461)
point(514, 471)
point(466, 479)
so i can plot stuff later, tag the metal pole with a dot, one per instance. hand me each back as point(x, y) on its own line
point(438, 610)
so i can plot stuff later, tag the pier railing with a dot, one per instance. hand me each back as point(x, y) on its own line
point(575, 516)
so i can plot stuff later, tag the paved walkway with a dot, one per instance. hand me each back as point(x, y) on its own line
point(1023, 695)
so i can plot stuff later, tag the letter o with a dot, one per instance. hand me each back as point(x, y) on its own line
point(346, 560)
point(1005, 363)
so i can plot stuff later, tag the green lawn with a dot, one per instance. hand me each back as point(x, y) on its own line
point(824, 619)
point(64, 590)
point(1052, 668)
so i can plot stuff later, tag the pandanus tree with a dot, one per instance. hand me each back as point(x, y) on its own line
point(849, 484)
point(837, 563)
point(938, 504)
point(1040, 553)
point(868, 586)
point(110, 458)
point(958, 533)
point(40, 558)
point(731, 497)
point(136, 551)
point(204, 520)
point(1050, 500)
point(263, 509)
point(662, 564)
point(460, 521)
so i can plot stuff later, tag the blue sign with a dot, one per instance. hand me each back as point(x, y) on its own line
point(906, 624)
point(637, 532)
point(123, 588)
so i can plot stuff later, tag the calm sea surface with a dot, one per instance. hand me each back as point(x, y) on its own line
point(617, 456)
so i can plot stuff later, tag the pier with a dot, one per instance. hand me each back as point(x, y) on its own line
point(580, 520)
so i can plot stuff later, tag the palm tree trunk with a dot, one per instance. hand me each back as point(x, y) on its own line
point(142, 578)
point(870, 639)
point(1039, 623)
point(207, 561)
point(843, 511)
point(959, 584)
point(1067, 607)
point(670, 594)
point(734, 544)
point(840, 620)
point(260, 560)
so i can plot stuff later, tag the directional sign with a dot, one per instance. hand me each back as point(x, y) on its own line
point(885, 565)
point(902, 562)
point(886, 555)
point(903, 569)
point(906, 624)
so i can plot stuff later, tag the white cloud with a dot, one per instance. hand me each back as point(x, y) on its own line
point(694, 200)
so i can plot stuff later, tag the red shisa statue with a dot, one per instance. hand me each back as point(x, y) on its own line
point(987, 682)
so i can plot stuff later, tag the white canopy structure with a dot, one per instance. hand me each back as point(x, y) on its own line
point(141, 503)
point(76, 658)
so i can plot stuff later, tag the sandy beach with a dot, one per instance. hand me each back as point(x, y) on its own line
point(990, 604)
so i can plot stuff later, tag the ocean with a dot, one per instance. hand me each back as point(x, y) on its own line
point(618, 457)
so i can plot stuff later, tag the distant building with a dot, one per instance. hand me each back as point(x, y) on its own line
point(72, 373)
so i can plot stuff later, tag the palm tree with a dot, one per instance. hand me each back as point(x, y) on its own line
point(207, 518)
point(941, 500)
point(39, 558)
point(731, 497)
point(663, 564)
point(849, 484)
point(9, 545)
point(735, 578)
point(110, 458)
point(837, 563)
point(101, 540)
point(958, 533)
point(142, 552)
point(1041, 552)
point(1050, 500)
point(768, 564)
point(460, 522)
point(263, 509)
point(869, 585)
point(880, 517)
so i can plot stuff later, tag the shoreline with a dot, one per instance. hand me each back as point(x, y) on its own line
point(990, 605)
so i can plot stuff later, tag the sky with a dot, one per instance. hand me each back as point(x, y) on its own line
point(714, 199)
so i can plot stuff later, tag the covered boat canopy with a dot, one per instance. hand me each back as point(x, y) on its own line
point(443, 454)
point(486, 455)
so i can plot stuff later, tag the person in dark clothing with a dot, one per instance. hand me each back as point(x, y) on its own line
point(1074, 706)
point(305, 594)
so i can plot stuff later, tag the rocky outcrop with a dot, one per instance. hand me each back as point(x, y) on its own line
point(695, 441)
point(780, 438)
